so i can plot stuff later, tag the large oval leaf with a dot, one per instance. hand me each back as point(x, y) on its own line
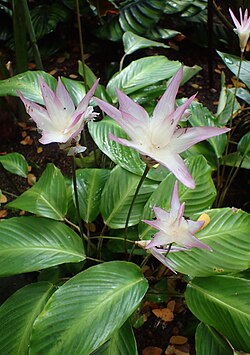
point(127, 158)
point(141, 73)
point(228, 235)
point(196, 200)
point(133, 42)
point(90, 183)
point(18, 314)
point(32, 243)
point(15, 163)
point(47, 198)
point(207, 338)
point(117, 197)
point(122, 342)
point(223, 302)
point(85, 312)
point(28, 84)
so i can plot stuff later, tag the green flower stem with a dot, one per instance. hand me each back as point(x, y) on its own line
point(132, 205)
point(113, 238)
point(83, 236)
point(223, 191)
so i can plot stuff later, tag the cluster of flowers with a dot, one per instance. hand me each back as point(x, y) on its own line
point(158, 137)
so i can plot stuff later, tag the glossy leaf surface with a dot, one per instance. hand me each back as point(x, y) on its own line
point(90, 183)
point(15, 163)
point(228, 236)
point(122, 342)
point(91, 307)
point(28, 84)
point(32, 243)
point(47, 198)
point(196, 200)
point(117, 197)
point(17, 316)
point(206, 338)
point(223, 303)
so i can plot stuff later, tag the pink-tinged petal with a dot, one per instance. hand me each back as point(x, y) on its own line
point(166, 104)
point(135, 129)
point(176, 116)
point(184, 138)
point(64, 97)
point(157, 224)
point(128, 106)
point(175, 201)
point(109, 110)
point(163, 259)
point(38, 114)
point(192, 242)
point(236, 22)
point(176, 165)
point(127, 143)
point(180, 213)
point(160, 213)
point(85, 101)
point(52, 103)
point(194, 226)
point(160, 238)
point(53, 137)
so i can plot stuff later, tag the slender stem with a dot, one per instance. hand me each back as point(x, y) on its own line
point(81, 43)
point(210, 42)
point(76, 198)
point(109, 237)
point(32, 35)
point(132, 205)
point(9, 193)
point(230, 133)
point(100, 240)
point(93, 259)
point(121, 62)
point(222, 17)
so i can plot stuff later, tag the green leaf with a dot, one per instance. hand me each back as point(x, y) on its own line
point(90, 183)
point(47, 197)
point(90, 79)
point(242, 94)
point(117, 197)
point(235, 159)
point(31, 243)
point(45, 18)
point(141, 73)
point(228, 236)
point(233, 62)
point(122, 342)
point(138, 17)
point(201, 116)
point(127, 158)
point(133, 42)
point(196, 200)
point(226, 101)
point(15, 163)
point(223, 303)
point(243, 145)
point(28, 84)
point(18, 314)
point(207, 338)
point(85, 312)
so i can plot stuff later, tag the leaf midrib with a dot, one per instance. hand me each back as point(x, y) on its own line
point(209, 295)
